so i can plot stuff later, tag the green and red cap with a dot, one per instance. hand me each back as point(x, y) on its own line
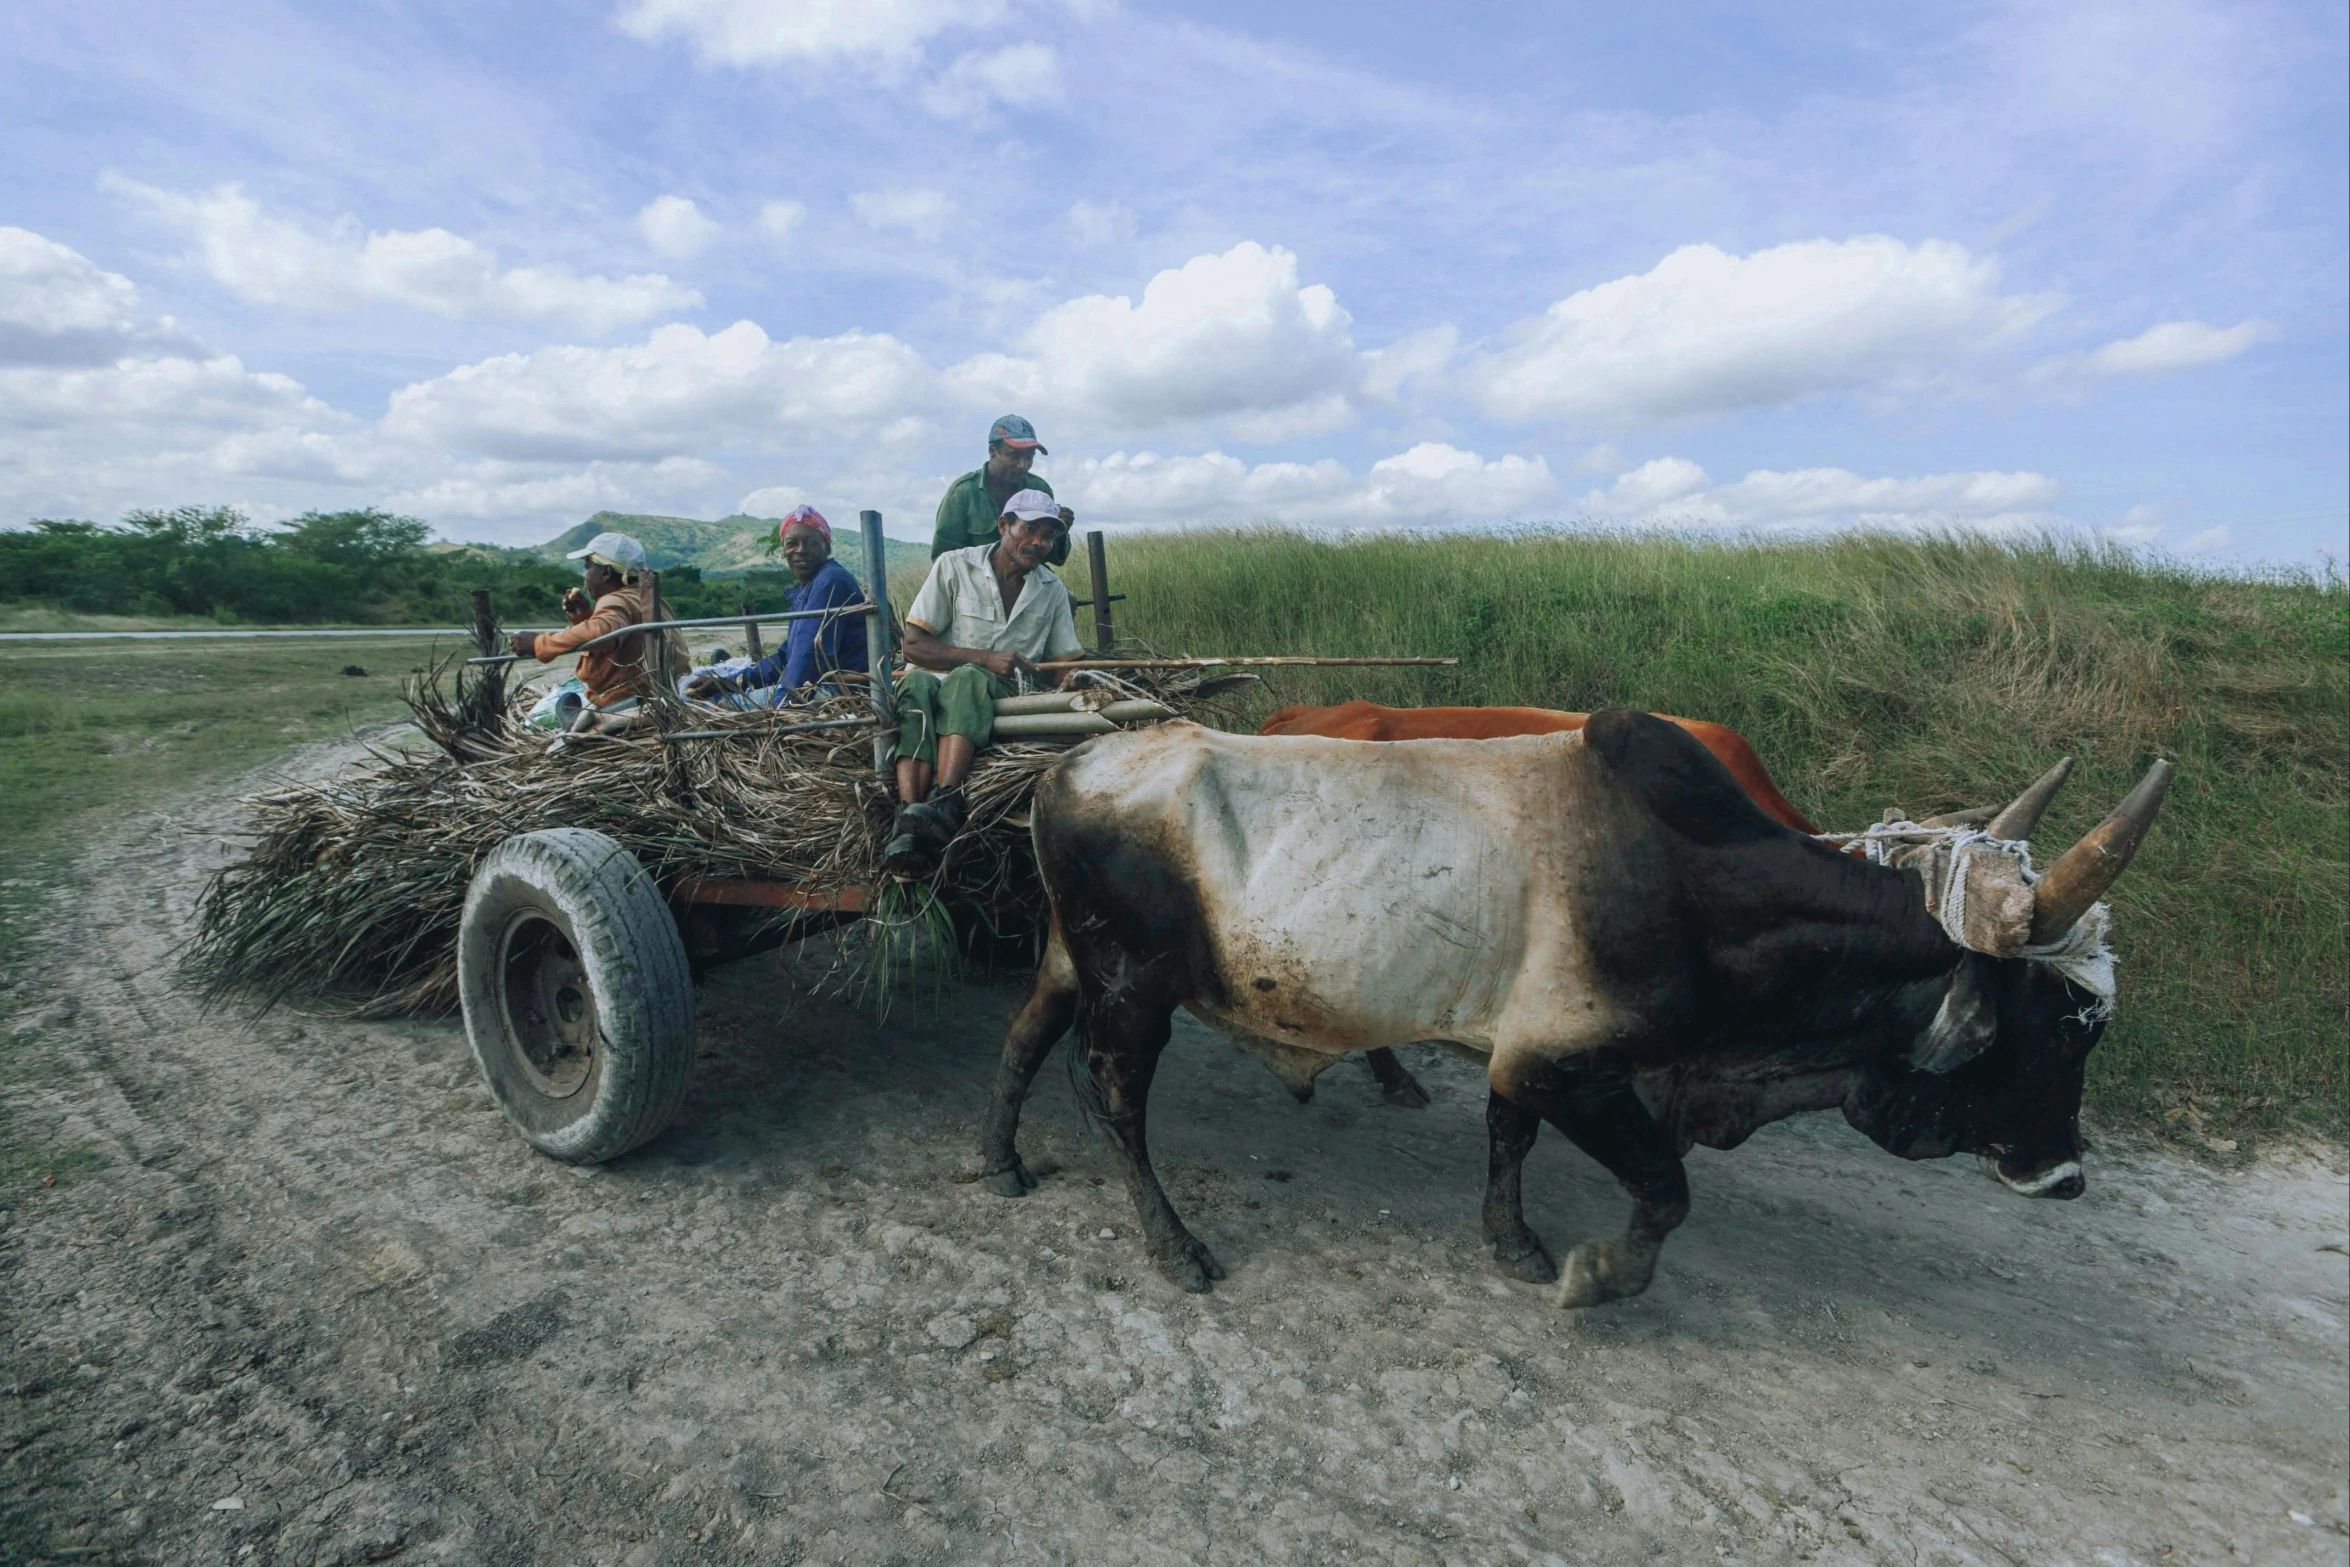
point(1013, 431)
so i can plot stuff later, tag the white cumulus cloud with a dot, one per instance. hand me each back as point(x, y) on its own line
point(679, 392)
point(1025, 77)
point(1415, 357)
point(1429, 485)
point(675, 227)
point(2177, 345)
point(2141, 524)
point(103, 407)
point(79, 363)
point(59, 308)
point(175, 398)
point(1675, 492)
point(1653, 484)
point(770, 32)
point(1230, 337)
point(337, 267)
point(1706, 332)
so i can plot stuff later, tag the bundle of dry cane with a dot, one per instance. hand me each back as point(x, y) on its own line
point(353, 887)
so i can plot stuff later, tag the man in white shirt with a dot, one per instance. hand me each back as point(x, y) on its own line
point(985, 615)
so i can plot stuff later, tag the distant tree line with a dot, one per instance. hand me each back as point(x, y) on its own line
point(367, 567)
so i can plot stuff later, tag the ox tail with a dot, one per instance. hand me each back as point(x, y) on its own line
point(1093, 1100)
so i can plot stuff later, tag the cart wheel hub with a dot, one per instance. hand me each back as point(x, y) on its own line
point(549, 1010)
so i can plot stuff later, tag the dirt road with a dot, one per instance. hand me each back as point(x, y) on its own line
point(319, 1305)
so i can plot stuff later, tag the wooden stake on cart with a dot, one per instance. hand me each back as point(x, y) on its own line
point(1105, 639)
point(660, 638)
point(492, 686)
point(751, 633)
point(878, 650)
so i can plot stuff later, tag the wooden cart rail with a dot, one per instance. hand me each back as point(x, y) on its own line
point(771, 895)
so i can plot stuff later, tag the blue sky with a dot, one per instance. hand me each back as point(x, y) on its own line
point(1759, 267)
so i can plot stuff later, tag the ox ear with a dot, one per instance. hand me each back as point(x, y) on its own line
point(1966, 1022)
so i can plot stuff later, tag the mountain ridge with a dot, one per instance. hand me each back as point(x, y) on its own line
point(725, 547)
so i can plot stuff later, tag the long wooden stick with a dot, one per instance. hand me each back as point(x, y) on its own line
point(745, 621)
point(764, 731)
point(1209, 663)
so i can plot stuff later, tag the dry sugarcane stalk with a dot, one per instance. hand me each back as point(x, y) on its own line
point(1037, 702)
point(1031, 725)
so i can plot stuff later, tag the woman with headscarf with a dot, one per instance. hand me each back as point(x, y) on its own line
point(814, 650)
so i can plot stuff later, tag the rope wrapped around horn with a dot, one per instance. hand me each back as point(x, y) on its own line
point(1982, 888)
point(2082, 873)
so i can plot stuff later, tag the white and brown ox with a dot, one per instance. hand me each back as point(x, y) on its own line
point(1644, 958)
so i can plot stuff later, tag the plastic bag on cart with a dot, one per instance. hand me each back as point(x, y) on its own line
point(558, 707)
point(724, 669)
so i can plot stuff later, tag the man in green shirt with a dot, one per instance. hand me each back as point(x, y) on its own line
point(967, 516)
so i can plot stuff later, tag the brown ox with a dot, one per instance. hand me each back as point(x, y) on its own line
point(1370, 721)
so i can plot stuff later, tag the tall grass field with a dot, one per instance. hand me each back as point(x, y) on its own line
point(1929, 674)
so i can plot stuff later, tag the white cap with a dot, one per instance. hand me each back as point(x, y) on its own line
point(1029, 505)
point(616, 550)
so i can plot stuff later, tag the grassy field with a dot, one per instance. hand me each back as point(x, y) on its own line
point(1871, 672)
point(88, 729)
point(24, 615)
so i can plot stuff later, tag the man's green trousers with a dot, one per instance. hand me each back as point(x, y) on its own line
point(962, 703)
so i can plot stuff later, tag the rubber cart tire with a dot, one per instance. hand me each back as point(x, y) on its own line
point(578, 1000)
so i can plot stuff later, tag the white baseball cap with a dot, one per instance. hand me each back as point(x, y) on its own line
point(1031, 505)
point(616, 550)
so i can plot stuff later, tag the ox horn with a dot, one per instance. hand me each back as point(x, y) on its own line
point(2024, 812)
point(2081, 875)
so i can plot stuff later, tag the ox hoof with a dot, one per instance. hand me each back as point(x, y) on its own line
point(1524, 1258)
point(1405, 1093)
point(1600, 1271)
point(1191, 1266)
point(1014, 1181)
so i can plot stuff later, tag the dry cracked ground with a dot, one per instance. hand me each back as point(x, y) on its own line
point(300, 1296)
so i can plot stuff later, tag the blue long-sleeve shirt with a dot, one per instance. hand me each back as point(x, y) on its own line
point(814, 648)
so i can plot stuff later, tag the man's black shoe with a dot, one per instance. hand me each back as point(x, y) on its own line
point(912, 850)
point(950, 810)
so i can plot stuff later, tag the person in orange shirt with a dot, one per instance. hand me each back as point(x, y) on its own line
point(617, 674)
